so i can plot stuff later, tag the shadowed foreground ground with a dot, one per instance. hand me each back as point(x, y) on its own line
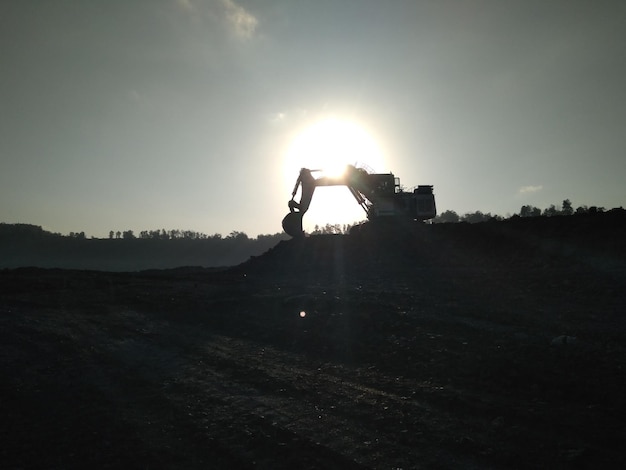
point(450, 347)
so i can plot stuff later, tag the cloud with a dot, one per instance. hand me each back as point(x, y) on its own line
point(530, 189)
point(239, 21)
point(186, 5)
point(242, 22)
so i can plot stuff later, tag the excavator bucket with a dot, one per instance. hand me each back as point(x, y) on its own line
point(292, 224)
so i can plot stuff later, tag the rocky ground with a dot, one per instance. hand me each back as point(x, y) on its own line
point(495, 345)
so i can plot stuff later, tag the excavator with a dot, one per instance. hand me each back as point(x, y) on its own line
point(379, 194)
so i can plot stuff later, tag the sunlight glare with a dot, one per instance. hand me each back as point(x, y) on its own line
point(329, 145)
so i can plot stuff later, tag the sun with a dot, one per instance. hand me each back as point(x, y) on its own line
point(329, 145)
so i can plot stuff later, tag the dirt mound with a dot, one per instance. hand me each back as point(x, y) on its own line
point(533, 241)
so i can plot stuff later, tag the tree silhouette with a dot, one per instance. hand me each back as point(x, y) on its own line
point(551, 211)
point(566, 207)
point(476, 217)
point(529, 211)
point(448, 217)
point(235, 235)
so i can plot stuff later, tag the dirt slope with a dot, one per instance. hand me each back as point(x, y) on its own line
point(499, 345)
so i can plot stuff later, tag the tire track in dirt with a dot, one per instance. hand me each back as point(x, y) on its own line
point(318, 412)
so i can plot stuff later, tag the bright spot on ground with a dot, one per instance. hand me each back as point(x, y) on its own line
point(329, 145)
point(302, 314)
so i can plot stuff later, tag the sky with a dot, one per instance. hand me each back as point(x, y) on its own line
point(197, 114)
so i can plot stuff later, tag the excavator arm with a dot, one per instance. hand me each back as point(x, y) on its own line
point(307, 181)
point(292, 223)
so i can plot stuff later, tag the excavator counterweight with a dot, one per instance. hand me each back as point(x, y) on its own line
point(379, 194)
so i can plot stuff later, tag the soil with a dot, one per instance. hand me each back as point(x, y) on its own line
point(494, 345)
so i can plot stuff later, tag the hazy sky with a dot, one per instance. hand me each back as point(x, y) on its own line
point(197, 114)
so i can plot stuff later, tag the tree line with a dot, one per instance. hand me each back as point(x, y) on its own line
point(566, 208)
point(175, 234)
point(451, 216)
point(30, 231)
point(31, 245)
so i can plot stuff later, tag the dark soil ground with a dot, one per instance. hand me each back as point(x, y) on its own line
point(495, 345)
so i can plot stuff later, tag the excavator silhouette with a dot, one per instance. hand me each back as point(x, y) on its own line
point(379, 194)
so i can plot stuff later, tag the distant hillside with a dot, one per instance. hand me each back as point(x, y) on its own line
point(29, 245)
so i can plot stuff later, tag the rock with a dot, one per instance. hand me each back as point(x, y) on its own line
point(564, 340)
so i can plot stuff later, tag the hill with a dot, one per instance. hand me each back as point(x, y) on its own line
point(24, 245)
point(579, 240)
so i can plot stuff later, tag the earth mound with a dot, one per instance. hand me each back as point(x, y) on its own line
point(380, 249)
